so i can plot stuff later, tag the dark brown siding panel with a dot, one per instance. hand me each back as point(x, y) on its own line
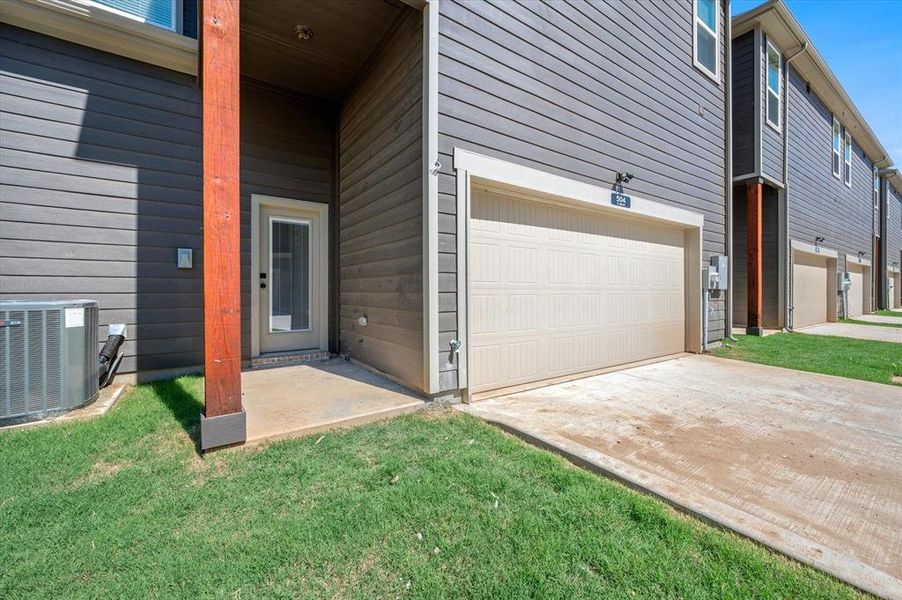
point(381, 207)
point(744, 122)
point(100, 183)
point(605, 87)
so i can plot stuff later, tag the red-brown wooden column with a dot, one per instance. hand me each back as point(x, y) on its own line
point(755, 201)
point(224, 419)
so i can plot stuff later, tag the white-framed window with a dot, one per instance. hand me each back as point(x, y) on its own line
point(837, 149)
point(847, 159)
point(774, 86)
point(161, 13)
point(706, 37)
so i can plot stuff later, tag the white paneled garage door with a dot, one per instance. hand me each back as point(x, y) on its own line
point(809, 290)
point(556, 290)
point(856, 292)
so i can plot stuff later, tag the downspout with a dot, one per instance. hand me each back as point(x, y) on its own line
point(787, 269)
point(728, 169)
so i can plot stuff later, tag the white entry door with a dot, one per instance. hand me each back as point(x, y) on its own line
point(289, 281)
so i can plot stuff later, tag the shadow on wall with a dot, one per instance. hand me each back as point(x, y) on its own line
point(102, 169)
point(146, 132)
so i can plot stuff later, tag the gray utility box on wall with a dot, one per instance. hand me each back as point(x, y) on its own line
point(48, 357)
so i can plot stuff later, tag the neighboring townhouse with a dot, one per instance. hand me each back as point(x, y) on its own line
point(890, 247)
point(806, 196)
point(465, 196)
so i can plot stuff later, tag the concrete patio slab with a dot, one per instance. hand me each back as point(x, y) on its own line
point(883, 320)
point(304, 399)
point(851, 330)
point(807, 464)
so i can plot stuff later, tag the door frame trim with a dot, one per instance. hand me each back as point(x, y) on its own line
point(322, 268)
point(499, 173)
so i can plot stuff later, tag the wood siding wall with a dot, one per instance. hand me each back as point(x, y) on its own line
point(744, 121)
point(819, 204)
point(381, 207)
point(100, 183)
point(582, 90)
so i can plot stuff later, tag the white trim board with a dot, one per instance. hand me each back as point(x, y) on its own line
point(430, 199)
point(322, 210)
point(534, 180)
point(852, 259)
point(799, 246)
point(473, 168)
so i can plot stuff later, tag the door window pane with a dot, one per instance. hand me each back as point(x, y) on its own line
point(289, 276)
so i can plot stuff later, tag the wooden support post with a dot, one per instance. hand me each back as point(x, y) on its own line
point(221, 257)
point(755, 202)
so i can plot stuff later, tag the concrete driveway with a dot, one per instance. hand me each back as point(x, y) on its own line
point(808, 464)
point(881, 319)
point(853, 330)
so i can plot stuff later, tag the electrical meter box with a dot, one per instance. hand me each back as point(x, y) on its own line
point(721, 265)
point(710, 278)
point(843, 281)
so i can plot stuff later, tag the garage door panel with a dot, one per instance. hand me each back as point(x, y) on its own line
point(809, 290)
point(856, 291)
point(556, 291)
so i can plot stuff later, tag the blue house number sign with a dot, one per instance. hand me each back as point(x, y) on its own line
point(618, 199)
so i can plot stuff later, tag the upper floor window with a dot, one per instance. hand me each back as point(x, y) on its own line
point(162, 13)
point(706, 40)
point(847, 159)
point(837, 149)
point(774, 85)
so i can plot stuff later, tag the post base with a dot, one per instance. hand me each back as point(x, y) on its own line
point(223, 430)
point(759, 331)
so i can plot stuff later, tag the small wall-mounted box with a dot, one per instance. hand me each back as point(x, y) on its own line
point(721, 264)
point(843, 281)
point(185, 258)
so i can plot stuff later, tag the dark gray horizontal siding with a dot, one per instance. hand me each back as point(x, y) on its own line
point(100, 182)
point(605, 87)
point(818, 203)
point(893, 226)
point(771, 139)
point(381, 209)
point(744, 122)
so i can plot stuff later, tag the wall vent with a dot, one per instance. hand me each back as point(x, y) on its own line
point(48, 358)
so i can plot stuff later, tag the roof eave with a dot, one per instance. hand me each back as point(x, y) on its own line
point(775, 19)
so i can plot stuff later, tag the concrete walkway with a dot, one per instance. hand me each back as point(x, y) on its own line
point(884, 320)
point(808, 464)
point(303, 399)
point(852, 330)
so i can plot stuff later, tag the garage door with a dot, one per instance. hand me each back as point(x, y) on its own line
point(856, 292)
point(556, 290)
point(895, 289)
point(809, 290)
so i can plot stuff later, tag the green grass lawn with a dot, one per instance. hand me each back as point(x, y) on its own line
point(889, 313)
point(857, 359)
point(431, 505)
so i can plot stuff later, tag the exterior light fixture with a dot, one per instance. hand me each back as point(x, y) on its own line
point(302, 32)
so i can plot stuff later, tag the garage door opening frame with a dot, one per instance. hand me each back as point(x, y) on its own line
point(473, 168)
